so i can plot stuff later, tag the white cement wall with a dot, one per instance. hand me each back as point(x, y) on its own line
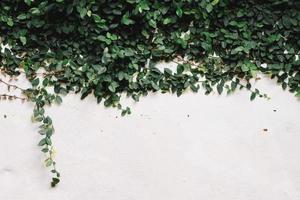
point(195, 147)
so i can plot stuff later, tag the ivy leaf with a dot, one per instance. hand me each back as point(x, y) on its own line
point(125, 112)
point(253, 95)
point(48, 162)
point(167, 21)
point(126, 20)
point(35, 11)
point(82, 12)
point(45, 150)
point(22, 16)
point(244, 68)
point(89, 13)
point(168, 71)
point(152, 23)
point(209, 8)
point(215, 2)
point(23, 40)
point(233, 85)
point(143, 5)
point(180, 69)
point(54, 182)
point(10, 22)
point(237, 50)
point(42, 142)
point(58, 99)
point(298, 93)
point(97, 18)
point(28, 2)
point(35, 82)
point(112, 87)
point(220, 88)
point(179, 12)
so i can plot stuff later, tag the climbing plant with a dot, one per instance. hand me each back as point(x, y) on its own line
point(106, 48)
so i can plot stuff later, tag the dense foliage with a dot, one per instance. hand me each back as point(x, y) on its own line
point(106, 47)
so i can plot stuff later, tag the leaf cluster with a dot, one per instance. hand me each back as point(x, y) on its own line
point(106, 48)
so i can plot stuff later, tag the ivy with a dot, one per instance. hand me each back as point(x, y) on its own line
point(109, 48)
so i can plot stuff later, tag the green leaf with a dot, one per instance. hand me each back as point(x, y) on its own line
point(54, 182)
point(143, 5)
point(45, 150)
point(125, 111)
point(23, 40)
point(28, 2)
point(152, 23)
point(298, 93)
point(83, 12)
point(284, 85)
point(126, 20)
point(35, 82)
point(168, 71)
point(89, 13)
point(233, 85)
point(220, 88)
point(180, 69)
point(253, 95)
point(112, 87)
point(244, 68)
point(48, 162)
point(10, 22)
point(58, 99)
point(215, 2)
point(167, 21)
point(22, 16)
point(42, 142)
point(237, 50)
point(97, 18)
point(35, 11)
point(209, 8)
point(179, 12)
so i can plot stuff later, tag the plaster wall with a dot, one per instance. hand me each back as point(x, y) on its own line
point(188, 148)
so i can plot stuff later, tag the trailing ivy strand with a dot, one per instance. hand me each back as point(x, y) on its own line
point(106, 48)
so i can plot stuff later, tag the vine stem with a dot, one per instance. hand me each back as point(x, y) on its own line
point(12, 97)
point(184, 61)
point(12, 85)
point(45, 73)
point(37, 73)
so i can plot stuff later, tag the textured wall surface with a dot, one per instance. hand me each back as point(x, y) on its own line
point(188, 148)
